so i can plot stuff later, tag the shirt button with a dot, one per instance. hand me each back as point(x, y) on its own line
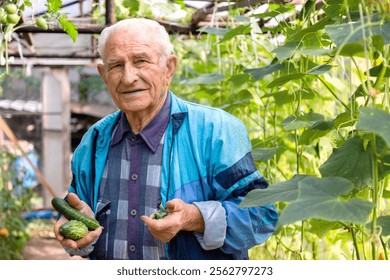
point(132, 248)
point(133, 212)
point(133, 138)
point(134, 177)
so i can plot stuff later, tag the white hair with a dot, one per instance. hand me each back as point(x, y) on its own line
point(148, 26)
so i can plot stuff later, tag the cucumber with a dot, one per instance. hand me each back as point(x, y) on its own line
point(160, 214)
point(73, 229)
point(71, 213)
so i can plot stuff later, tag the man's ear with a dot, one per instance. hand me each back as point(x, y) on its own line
point(102, 71)
point(171, 67)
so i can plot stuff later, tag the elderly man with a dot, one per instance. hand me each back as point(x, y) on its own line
point(160, 150)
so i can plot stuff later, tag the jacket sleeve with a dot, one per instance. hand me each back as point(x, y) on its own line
point(247, 227)
point(234, 175)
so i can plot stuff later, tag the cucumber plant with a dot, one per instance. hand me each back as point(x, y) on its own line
point(11, 12)
point(314, 93)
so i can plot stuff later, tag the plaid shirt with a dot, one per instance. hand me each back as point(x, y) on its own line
point(130, 188)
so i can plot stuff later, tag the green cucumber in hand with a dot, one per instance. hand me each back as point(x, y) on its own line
point(71, 213)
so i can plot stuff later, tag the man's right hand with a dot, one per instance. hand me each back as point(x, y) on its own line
point(90, 237)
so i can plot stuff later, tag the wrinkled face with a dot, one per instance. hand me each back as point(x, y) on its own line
point(136, 74)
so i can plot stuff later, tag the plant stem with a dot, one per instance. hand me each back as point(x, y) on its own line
point(333, 93)
point(6, 57)
point(355, 243)
point(384, 247)
point(302, 239)
point(375, 191)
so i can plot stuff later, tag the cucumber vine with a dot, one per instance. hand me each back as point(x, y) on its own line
point(12, 18)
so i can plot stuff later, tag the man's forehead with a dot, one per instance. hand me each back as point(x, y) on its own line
point(131, 39)
point(141, 34)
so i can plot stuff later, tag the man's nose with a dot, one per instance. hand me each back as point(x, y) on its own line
point(130, 75)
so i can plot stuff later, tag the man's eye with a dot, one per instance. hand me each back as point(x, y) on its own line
point(115, 66)
point(140, 61)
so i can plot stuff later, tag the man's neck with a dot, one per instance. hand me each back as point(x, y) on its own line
point(139, 120)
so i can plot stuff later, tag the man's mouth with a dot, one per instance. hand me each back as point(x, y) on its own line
point(133, 91)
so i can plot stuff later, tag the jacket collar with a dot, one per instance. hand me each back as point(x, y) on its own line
point(104, 128)
point(179, 112)
point(151, 134)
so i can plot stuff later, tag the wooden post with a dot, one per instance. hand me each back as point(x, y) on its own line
point(55, 92)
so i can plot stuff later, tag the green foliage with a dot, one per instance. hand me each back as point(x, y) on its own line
point(10, 14)
point(13, 203)
point(314, 94)
point(89, 85)
point(163, 9)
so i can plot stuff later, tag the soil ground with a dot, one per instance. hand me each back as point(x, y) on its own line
point(45, 248)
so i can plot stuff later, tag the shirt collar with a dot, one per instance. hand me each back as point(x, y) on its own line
point(151, 134)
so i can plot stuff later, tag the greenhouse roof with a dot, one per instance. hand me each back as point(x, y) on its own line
point(33, 46)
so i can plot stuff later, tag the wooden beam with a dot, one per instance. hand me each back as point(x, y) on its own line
point(82, 29)
point(56, 55)
point(97, 29)
point(110, 12)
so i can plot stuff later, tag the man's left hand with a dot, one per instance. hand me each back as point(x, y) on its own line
point(181, 216)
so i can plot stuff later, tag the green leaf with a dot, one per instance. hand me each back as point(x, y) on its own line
point(343, 120)
point(333, 8)
point(214, 30)
point(320, 69)
point(384, 223)
point(286, 51)
point(374, 72)
point(321, 227)
point(354, 32)
point(258, 73)
point(378, 43)
point(293, 122)
point(376, 121)
point(206, 79)
point(312, 29)
point(351, 161)
point(284, 191)
point(316, 131)
point(241, 98)
point(53, 5)
point(240, 30)
point(283, 97)
point(353, 49)
point(359, 92)
point(314, 51)
point(239, 79)
point(27, 3)
point(384, 167)
point(263, 154)
point(386, 194)
point(132, 5)
point(319, 198)
point(284, 79)
point(69, 28)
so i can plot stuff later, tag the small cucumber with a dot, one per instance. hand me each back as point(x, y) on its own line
point(73, 229)
point(160, 214)
point(71, 213)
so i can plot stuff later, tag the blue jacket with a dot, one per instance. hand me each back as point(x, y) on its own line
point(206, 156)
